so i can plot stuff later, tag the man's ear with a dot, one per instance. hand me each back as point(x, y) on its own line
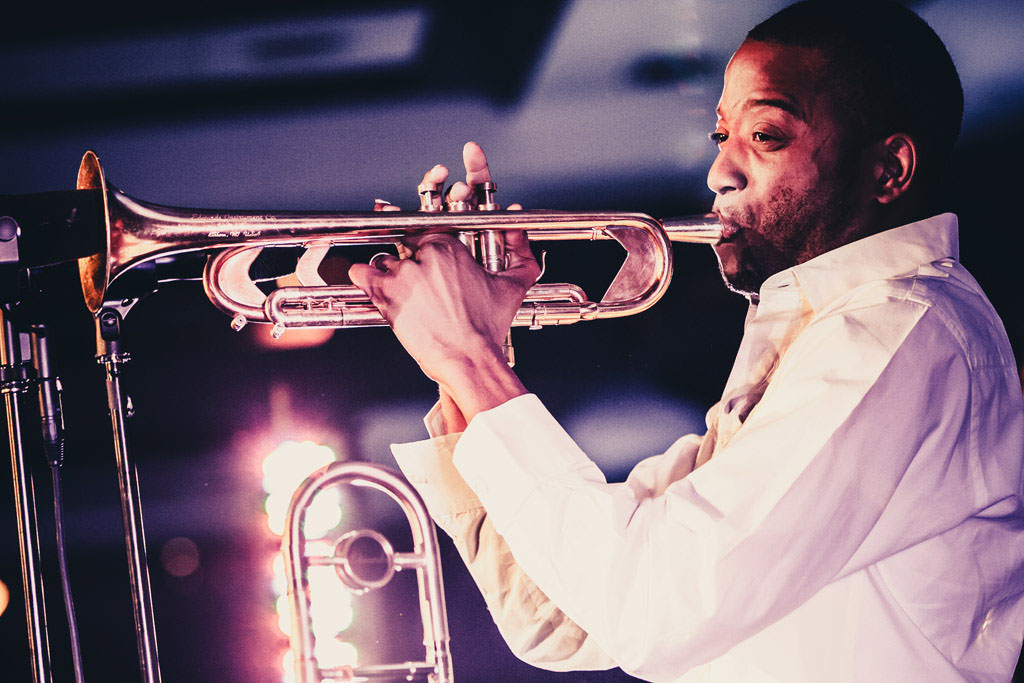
point(894, 167)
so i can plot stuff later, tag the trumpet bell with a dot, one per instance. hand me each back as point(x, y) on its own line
point(94, 270)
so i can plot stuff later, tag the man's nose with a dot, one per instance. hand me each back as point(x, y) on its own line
point(726, 173)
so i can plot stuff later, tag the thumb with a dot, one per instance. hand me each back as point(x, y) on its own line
point(373, 282)
point(362, 276)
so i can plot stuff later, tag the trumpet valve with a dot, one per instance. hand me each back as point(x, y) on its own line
point(430, 196)
point(484, 194)
point(492, 250)
point(458, 205)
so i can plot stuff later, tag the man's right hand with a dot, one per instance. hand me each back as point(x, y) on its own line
point(450, 314)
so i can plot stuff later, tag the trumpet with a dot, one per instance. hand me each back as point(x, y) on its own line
point(365, 560)
point(136, 232)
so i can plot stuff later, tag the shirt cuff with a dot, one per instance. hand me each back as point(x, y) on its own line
point(508, 452)
point(428, 466)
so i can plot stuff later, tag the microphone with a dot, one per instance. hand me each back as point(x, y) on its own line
point(51, 411)
point(52, 227)
point(40, 231)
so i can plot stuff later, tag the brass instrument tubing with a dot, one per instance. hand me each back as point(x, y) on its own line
point(425, 558)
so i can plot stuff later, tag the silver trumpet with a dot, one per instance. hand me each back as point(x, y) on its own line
point(365, 560)
point(137, 232)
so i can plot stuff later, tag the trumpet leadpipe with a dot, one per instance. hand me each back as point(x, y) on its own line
point(702, 229)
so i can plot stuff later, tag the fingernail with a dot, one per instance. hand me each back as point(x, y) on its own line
point(381, 201)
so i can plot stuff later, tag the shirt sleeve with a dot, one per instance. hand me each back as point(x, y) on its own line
point(857, 427)
point(535, 630)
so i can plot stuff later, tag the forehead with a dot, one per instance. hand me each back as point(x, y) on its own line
point(787, 76)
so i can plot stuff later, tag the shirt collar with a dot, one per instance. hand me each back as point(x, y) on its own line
point(883, 255)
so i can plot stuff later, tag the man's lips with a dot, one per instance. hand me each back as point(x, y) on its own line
point(730, 228)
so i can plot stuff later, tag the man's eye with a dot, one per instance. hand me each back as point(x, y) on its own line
point(763, 138)
point(718, 137)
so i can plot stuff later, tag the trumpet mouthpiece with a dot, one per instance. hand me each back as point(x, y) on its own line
point(705, 229)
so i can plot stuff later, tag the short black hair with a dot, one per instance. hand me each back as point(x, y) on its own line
point(890, 71)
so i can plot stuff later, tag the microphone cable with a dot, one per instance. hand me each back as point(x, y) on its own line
point(65, 581)
point(52, 421)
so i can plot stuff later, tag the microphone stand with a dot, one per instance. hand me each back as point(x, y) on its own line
point(110, 355)
point(16, 382)
point(52, 229)
point(17, 378)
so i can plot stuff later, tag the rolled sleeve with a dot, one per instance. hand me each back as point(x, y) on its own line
point(532, 626)
point(428, 466)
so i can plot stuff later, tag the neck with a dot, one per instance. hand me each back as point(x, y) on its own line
point(884, 217)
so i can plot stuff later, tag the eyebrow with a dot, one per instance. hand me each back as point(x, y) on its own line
point(782, 103)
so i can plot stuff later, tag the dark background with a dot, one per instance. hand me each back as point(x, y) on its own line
point(580, 105)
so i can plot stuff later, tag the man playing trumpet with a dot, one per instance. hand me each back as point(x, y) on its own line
point(854, 510)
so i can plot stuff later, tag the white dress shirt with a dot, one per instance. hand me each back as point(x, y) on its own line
point(854, 512)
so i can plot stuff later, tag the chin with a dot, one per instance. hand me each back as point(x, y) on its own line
point(737, 278)
point(740, 286)
point(742, 283)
